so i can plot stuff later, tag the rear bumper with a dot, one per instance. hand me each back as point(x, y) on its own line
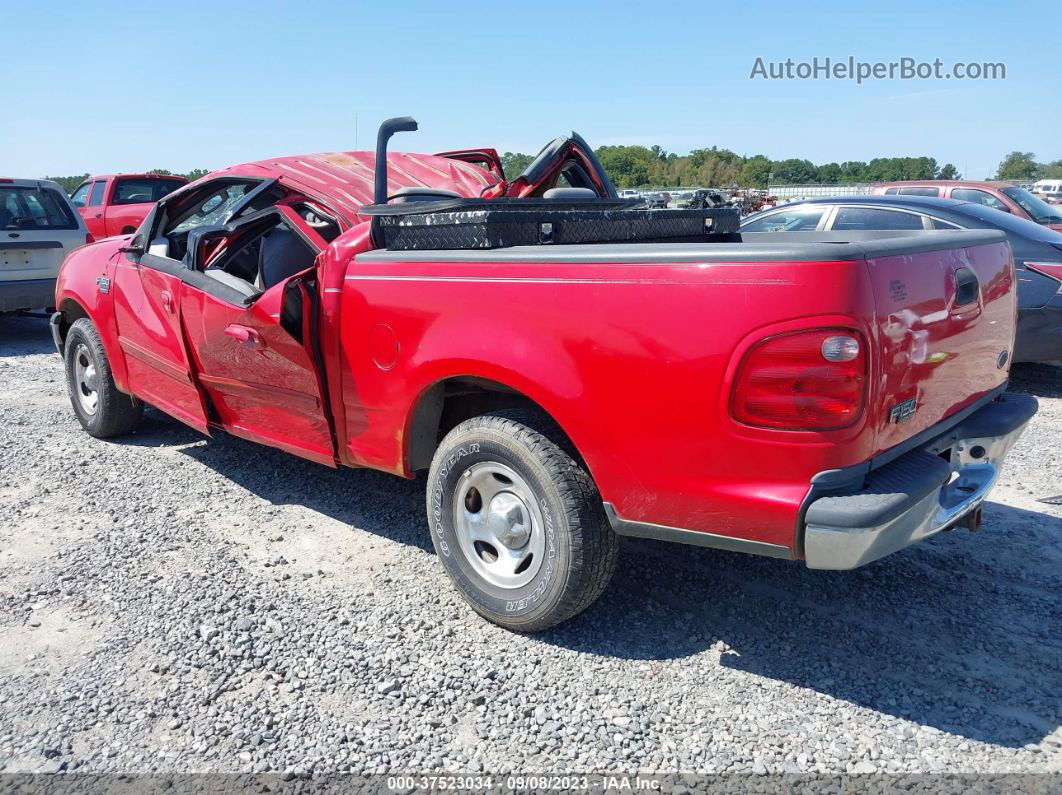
point(933, 488)
point(26, 294)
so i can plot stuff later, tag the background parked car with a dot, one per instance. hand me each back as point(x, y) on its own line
point(38, 228)
point(1050, 190)
point(115, 204)
point(705, 198)
point(655, 200)
point(997, 195)
point(1037, 249)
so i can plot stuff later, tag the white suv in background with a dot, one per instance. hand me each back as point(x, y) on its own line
point(38, 228)
point(1050, 190)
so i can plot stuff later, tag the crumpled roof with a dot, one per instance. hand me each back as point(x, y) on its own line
point(346, 178)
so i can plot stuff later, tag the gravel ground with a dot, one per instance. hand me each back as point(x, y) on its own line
point(176, 604)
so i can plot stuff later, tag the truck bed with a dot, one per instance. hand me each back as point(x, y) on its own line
point(757, 247)
point(633, 348)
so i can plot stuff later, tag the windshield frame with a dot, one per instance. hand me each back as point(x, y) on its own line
point(1027, 201)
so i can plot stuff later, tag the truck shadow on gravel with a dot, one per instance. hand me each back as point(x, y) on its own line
point(951, 634)
point(382, 504)
point(958, 633)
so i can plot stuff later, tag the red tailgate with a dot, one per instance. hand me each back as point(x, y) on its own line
point(944, 325)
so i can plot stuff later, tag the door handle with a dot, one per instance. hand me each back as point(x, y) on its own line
point(246, 336)
point(167, 301)
point(966, 287)
point(99, 215)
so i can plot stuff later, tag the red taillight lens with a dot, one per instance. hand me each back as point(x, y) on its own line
point(1052, 270)
point(802, 381)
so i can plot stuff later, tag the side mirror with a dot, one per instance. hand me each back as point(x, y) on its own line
point(135, 246)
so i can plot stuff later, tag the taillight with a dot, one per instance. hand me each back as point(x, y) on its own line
point(1053, 270)
point(802, 381)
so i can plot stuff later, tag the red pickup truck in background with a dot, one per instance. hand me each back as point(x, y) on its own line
point(1000, 196)
point(825, 397)
point(115, 204)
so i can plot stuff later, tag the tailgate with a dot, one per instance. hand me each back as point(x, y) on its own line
point(944, 327)
point(30, 259)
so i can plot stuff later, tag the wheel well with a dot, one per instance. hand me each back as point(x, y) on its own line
point(449, 403)
point(72, 311)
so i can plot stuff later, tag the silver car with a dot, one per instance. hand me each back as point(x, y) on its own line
point(38, 228)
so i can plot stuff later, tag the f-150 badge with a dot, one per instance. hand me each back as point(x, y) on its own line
point(903, 411)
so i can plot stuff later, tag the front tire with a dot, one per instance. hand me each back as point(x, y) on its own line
point(101, 408)
point(517, 522)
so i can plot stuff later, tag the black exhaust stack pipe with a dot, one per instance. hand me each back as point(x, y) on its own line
point(379, 194)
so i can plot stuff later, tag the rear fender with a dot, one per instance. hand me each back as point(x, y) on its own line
point(534, 368)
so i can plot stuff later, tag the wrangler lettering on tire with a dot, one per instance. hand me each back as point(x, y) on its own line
point(517, 522)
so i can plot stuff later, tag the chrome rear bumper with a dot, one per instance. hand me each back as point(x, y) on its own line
point(936, 487)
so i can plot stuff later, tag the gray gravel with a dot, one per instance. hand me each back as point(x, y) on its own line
point(171, 603)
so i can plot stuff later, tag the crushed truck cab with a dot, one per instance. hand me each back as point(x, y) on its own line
point(567, 365)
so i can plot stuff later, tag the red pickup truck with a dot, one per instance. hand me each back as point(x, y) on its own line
point(115, 204)
point(820, 397)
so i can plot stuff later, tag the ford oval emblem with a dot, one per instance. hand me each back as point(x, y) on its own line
point(1001, 361)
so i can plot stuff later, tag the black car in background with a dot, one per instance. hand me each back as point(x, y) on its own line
point(1037, 249)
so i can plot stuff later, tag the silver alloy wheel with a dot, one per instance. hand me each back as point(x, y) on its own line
point(499, 524)
point(86, 381)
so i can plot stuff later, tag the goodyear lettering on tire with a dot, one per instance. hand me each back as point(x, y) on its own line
point(437, 494)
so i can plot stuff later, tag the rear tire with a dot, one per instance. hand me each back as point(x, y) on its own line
point(517, 521)
point(101, 408)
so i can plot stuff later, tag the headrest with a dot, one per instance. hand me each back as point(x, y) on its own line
point(404, 195)
point(567, 194)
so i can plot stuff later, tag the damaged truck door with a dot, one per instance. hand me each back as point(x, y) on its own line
point(248, 304)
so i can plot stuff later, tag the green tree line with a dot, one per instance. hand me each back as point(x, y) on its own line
point(642, 166)
point(69, 184)
point(1022, 166)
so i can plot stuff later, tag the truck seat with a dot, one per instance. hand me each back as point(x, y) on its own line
point(282, 255)
point(569, 194)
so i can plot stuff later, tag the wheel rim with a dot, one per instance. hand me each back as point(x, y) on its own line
point(499, 525)
point(86, 380)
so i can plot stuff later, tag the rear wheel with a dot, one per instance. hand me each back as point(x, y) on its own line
point(101, 408)
point(517, 522)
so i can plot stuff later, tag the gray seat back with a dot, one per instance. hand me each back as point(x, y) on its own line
point(282, 255)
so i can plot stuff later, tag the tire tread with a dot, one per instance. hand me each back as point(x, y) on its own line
point(594, 546)
point(117, 412)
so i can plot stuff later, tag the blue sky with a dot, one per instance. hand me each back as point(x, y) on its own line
point(109, 86)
